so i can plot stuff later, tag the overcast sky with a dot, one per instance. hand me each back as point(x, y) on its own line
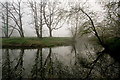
point(63, 32)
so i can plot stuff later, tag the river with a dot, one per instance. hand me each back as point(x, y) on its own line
point(81, 60)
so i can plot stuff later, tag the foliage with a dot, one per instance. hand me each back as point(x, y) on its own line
point(113, 43)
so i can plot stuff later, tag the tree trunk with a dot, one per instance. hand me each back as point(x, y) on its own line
point(22, 34)
point(7, 21)
point(50, 32)
point(37, 32)
point(41, 20)
point(20, 19)
point(41, 63)
point(41, 32)
point(21, 29)
point(94, 29)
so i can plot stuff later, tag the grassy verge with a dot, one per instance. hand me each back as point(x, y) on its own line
point(33, 42)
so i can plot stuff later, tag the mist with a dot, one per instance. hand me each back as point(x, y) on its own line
point(28, 26)
point(57, 39)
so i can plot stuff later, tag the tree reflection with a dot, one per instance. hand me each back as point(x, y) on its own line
point(19, 69)
point(73, 50)
point(102, 67)
point(35, 66)
point(48, 65)
point(37, 70)
point(40, 69)
point(10, 71)
point(6, 67)
point(83, 66)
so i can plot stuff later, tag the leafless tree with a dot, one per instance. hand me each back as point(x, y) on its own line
point(41, 18)
point(112, 16)
point(74, 24)
point(37, 13)
point(52, 16)
point(6, 21)
point(76, 9)
point(7, 28)
point(15, 13)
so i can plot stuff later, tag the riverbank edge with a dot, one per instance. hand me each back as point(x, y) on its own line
point(33, 42)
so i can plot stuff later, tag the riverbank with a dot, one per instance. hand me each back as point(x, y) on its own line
point(33, 42)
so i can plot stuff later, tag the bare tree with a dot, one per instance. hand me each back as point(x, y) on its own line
point(76, 9)
point(15, 13)
point(112, 16)
point(93, 27)
point(6, 23)
point(18, 20)
point(74, 24)
point(41, 18)
point(52, 16)
point(7, 28)
point(37, 10)
point(34, 10)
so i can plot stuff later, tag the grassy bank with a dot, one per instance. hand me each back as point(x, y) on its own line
point(33, 42)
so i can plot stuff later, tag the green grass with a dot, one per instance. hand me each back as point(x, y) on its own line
point(35, 42)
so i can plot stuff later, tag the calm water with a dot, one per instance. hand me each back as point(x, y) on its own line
point(77, 61)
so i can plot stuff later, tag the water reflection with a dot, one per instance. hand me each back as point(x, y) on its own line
point(6, 66)
point(59, 62)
